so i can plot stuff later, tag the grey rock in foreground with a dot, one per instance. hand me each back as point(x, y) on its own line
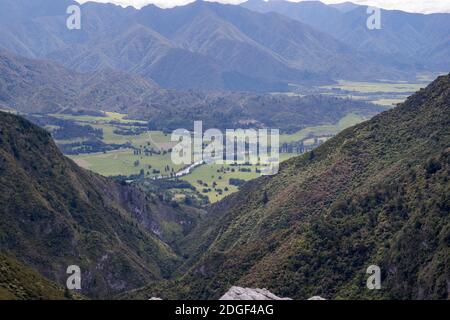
point(238, 293)
point(316, 298)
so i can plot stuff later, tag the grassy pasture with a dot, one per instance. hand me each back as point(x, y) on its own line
point(385, 93)
point(208, 174)
point(107, 117)
point(123, 162)
point(157, 139)
point(126, 162)
point(346, 122)
point(376, 87)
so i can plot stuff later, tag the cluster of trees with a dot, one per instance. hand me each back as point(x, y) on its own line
point(236, 182)
point(79, 112)
point(73, 131)
point(148, 151)
point(89, 146)
point(289, 114)
point(299, 146)
point(65, 129)
point(129, 132)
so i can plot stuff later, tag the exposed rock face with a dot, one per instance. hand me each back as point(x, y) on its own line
point(238, 293)
point(316, 298)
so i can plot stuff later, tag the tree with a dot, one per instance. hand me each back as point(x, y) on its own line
point(265, 198)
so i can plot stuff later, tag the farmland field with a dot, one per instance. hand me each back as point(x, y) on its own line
point(212, 181)
point(385, 93)
point(376, 87)
point(346, 122)
point(221, 175)
point(125, 162)
point(107, 117)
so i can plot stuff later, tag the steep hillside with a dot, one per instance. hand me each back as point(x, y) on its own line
point(376, 194)
point(29, 85)
point(19, 282)
point(54, 214)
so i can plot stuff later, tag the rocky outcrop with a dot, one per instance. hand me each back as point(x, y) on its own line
point(238, 293)
point(316, 298)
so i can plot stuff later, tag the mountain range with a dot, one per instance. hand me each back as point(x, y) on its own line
point(405, 40)
point(203, 45)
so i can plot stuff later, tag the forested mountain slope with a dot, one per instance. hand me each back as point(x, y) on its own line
point(18, 282)
point(54, 214)
point(376, 194)
point(39, 86)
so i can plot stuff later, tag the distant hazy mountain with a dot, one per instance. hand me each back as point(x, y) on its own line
point(309, 12)
point(406, 40)
point(376, 194)
point(202, 45)
point(344, 6)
